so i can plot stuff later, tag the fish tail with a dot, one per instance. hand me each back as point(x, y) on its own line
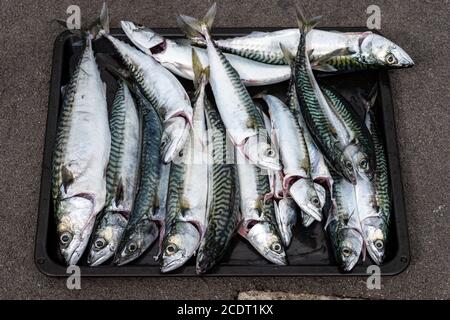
point(101, 25)
point(196, 29)
point(200, 74)
point(304, 24)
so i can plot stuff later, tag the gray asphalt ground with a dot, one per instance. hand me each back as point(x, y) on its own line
point(421, 97)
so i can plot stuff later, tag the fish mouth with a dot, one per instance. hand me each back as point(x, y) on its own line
point(376, 255)
point(97, 258)
point(174, 264)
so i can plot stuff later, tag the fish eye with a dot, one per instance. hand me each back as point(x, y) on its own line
point(348, 165)
point(346, 252)
point(99, 243)
point(379, 244)
point(270, 153)
point(65, 238)
point(132, 247)
point(277, 247)
point(171, 249)
point(363, 163)
point(315, 201)
point(390, 58)
point(180, 154)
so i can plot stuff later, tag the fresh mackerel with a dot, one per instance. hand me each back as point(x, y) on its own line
point(121, 177)
point(80, 157)
point(188, 187)
point(143, 226)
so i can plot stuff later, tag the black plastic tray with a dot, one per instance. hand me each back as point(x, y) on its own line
point(309, 253)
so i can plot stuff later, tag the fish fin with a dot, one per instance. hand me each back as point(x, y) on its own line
point(288, 55)
point(194, 28)
point(335, 53)
point(119, 196)
point(200, 73)
point(104, 18)
point(67, 178)
point(331, 214)
point(303, 24)
point(324, 68)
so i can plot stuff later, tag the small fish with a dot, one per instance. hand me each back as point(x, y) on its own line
point(142, 228)
point(376, 225)
point(188, 188)
point(327, 130)
point(223, 195)
point(160, 87)
point(241, 117)
point(176, 57)
point(80, 157)
point(367, 50)
point(294, 157)
point(285, 208)
point(121, 177)
point(343, 224)
point(259, 225)
point(364, 157)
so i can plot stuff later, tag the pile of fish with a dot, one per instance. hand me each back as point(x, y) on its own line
point(192, 170)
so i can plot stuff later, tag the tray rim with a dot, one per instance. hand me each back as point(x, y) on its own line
point(47, 266)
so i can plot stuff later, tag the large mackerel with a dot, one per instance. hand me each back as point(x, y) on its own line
point(121, 177)
point(80, 157)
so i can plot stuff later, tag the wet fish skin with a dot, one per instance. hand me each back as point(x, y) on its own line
point(188, 187)
point(367, 50)
point(142, 228)
point(259, 223)
point(375, 228)
point(159, 86)
point(364, 158)
point(241, 117)
point(344, 226)
point(121, 177)
point(176, 57)
point(317, 113)
point(223, 206)
point(80, 157)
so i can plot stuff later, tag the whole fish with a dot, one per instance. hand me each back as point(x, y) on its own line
point(80, 157)
point(188, 188)
point(364, 158)
point(223, 195)
point(142, 228)
point(375, 225)
point(259, 224)
point(343, 224)
point(285, 208)
point(176, 57)
point(295, 158)
point(160, 87)
point(327, 130)
point(367, 50)
point(121, 176)
point(241, 117)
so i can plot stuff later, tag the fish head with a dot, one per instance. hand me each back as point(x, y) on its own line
point(375, 236)
point(144, 38)
point(350, 248)
point(379, 51)
point(347, 168)
point(176, 131)
point(75, 224)
point(137, 239)
point(179, 246)
point(363, 165)
point(106, 239)
point(309, 197)
point(265, 239)
point(261, 153)
point(286, 215)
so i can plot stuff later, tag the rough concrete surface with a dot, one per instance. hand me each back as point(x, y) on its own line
point(421, 98)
